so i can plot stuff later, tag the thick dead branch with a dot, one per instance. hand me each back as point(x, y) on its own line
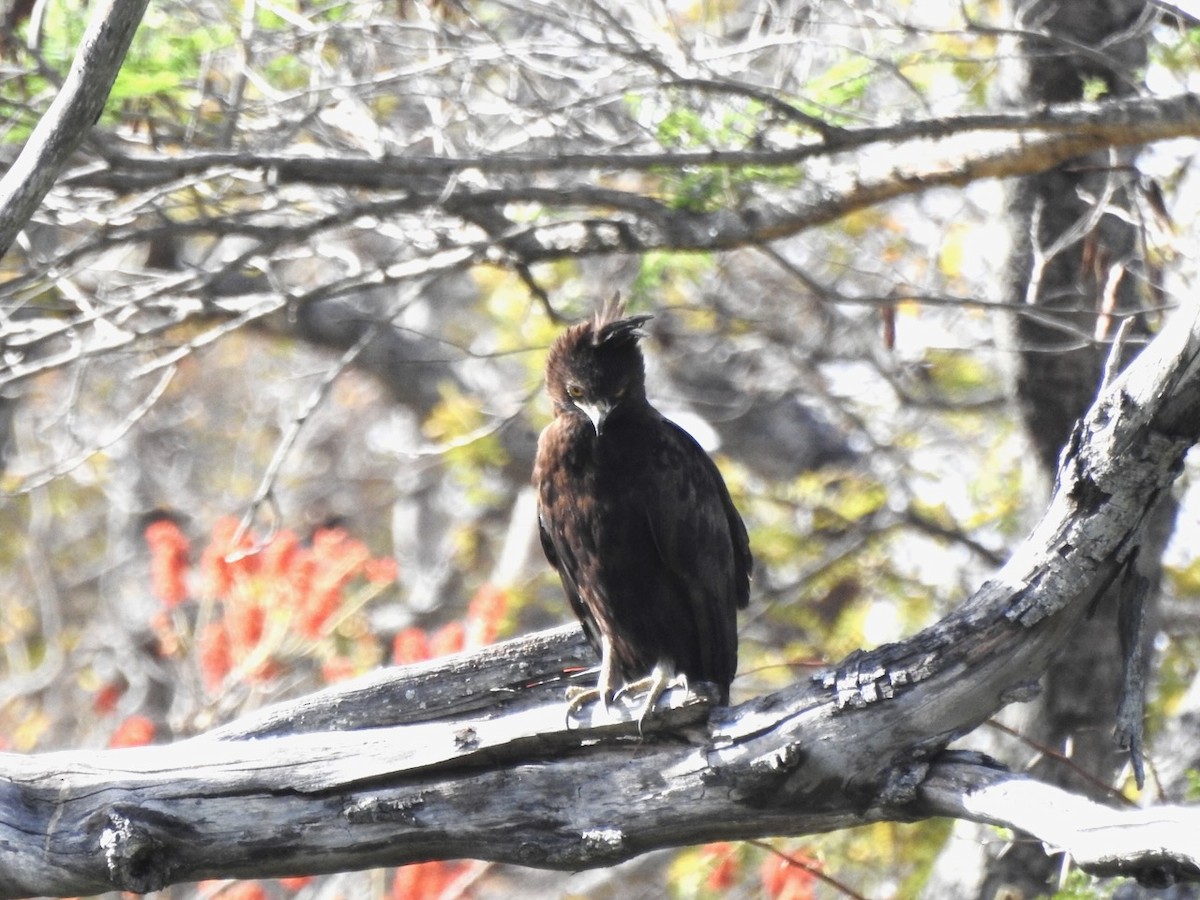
point(917, 159)
point(1077, 128)
point(472, 757)
point(1157, 846)
point(472, 196)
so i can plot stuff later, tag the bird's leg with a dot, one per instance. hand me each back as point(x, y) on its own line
point(605, 688)
point(661, 678)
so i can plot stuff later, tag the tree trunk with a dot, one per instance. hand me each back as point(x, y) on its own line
point(1079, 268)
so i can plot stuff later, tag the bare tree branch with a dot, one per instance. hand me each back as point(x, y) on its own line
point(573, 220)
point(1157, 845)
point(1059, 131)
point(71, 116)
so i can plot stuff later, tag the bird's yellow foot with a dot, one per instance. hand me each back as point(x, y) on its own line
point(654, 685)
point(579, 697)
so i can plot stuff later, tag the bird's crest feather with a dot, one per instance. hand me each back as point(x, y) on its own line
point(608, 323)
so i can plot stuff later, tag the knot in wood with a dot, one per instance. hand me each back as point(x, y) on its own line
point(137, 860)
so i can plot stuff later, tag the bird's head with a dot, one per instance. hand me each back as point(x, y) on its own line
point(596, 367)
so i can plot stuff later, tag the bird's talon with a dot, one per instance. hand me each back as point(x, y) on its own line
point(579, 697)
point(654, 685)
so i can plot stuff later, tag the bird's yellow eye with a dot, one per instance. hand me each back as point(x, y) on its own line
point(574, 391)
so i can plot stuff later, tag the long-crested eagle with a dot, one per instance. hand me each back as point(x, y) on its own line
point(637, 520)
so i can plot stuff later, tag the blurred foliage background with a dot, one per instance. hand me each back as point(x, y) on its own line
point(270, 353)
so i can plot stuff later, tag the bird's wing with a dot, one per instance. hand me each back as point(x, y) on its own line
point(694, 520)
point(547, 543)
point(566, 574)
point(702, 543)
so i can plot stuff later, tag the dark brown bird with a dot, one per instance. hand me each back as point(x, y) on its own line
point(637, 520)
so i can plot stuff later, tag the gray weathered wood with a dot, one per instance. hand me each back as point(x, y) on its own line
point(1159, 845)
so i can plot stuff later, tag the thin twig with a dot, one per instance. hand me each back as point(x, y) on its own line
point(38, 480)
point(265, 492)
point(1112, 365)
point(1062, 758)
point(808, 867)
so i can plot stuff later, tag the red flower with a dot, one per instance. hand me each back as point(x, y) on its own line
point(450, 638)
point(135, 731)
point(726, 866)
point(215, 658)
point(284, 584)
point(318, 605)
point(409, 646)
point(279, 556)
point(785, 878)
point(427, 879)
point(383, 570)
point(340, 555)
point(244, 623)
point(218, 571)
point(168, 562)
point(337, 669)
point(484, 615)
point(107, 696)
point(335, 559)
point(294, 884)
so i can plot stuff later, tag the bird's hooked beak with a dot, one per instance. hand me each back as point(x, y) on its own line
point(597, 412)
